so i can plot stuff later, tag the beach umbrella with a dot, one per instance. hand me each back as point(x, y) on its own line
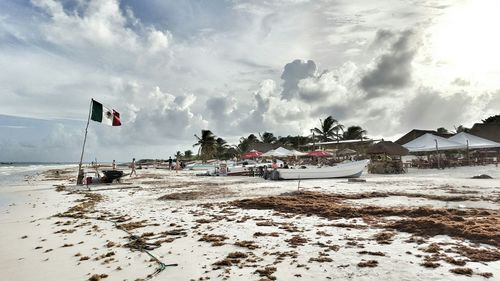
point(319, 153)
point(251, 154)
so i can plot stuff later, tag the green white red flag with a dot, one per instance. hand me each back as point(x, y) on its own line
point(104, 115)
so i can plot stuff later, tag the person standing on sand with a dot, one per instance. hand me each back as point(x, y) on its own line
point(170, 163)
point(274, 165)
point(132, 165)
point(114, 165)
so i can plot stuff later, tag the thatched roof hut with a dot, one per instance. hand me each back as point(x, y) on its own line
point(262, 147)
point(388, 148)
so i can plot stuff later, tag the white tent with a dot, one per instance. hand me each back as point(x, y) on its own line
point(298, 153)
point(429, 142)
point(473, 142)
point(279, 152)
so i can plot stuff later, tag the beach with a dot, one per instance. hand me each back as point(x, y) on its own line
point(162, 225)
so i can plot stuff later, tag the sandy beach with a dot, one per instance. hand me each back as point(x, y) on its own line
point(423, 225)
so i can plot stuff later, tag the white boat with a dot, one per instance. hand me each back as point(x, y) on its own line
point(249, 168)
point(344, 170)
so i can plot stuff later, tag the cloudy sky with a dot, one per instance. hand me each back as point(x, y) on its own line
point(172, 68)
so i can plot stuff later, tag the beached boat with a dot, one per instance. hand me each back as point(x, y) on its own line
point(249, 168)
point(344, 170)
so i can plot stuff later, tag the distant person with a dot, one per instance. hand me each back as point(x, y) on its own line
point(114, 165)
point(170, 163)
point(274, 165)
point(132, 166)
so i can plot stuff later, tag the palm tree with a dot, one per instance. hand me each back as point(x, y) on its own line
point(207, 145)
point(268, 137)
point(442, 130)
point(492, 119)
point(178, 155)
point(188, 154)
point(221, 147)
point(252, 138)
point(245, 143)
point(328, 130)
point(462, 128)
point(354, 133)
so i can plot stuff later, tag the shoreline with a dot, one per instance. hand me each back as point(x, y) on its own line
point(196, 225)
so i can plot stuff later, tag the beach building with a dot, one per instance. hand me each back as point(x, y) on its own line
point(360, 146)
point(262, 146)
point(385, 158)
point(490, 131)
point(416, 133)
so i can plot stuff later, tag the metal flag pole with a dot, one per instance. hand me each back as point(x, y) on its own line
point(79, 179)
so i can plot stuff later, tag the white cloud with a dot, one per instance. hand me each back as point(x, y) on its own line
point(236, 68)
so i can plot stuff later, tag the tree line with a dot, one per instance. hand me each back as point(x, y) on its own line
point(211, 146)
point(329, 129)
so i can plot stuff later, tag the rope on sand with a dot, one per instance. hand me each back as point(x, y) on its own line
point(162, 266)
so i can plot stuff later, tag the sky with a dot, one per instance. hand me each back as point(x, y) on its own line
point(172, 68)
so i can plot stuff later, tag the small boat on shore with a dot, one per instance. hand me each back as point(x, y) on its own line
point(344, 170)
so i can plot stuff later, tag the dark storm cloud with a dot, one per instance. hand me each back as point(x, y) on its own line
point(221, 114)
point(430, 110)
point(393, 70)
point(293, 73)
point(382, 37)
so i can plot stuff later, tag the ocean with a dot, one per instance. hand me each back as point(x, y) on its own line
point(12, 174)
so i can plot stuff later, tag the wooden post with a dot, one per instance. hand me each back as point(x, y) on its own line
point(468, 157)
point(438, 154)
point(79, 179)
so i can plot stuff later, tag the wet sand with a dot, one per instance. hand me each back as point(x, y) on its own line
point(429, 225)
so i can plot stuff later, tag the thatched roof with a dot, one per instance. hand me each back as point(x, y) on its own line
point(262, 147)
point(347, 151)
point(387, 147)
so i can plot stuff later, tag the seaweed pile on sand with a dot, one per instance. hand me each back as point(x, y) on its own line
point(479, 226)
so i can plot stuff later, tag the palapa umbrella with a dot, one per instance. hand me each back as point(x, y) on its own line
point(319, 153)
point(251, 154)
point(346, 151)
point(387, 147)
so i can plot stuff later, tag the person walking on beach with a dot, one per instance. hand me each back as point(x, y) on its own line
point(170, 163)
point(132, 165)
point(177, 165)
point(114, 165)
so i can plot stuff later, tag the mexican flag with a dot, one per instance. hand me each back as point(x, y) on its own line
point(104, 115)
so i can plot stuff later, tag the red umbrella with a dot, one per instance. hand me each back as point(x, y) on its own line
point(251, 154)
point(319, 153)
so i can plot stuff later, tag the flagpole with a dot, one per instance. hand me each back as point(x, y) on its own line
point(79, 179)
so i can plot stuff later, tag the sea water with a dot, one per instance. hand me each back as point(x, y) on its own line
point(15, 174)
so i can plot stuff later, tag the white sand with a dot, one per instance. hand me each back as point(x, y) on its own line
point(31, 206)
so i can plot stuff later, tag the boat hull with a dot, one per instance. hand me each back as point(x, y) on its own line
point(346, 170)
